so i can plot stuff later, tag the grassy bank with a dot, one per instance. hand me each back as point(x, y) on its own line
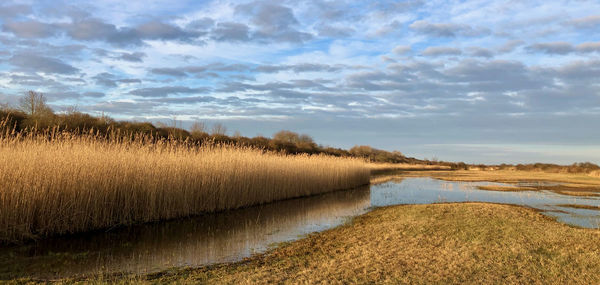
point(439, 243)
point(62, 183)
point(574, 184)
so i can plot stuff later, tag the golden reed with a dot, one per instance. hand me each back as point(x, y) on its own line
point(59, 183)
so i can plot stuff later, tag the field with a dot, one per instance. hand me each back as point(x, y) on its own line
point(61, 183)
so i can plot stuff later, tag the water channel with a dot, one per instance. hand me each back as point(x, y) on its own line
point(233, 235)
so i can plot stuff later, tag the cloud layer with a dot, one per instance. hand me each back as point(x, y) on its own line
point(425, 77)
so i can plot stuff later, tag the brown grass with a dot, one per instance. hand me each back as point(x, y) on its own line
point(70, 184)
point(505, 188)
point(575, 184)
point(424, 244)
point(405, 166)
point(587, 207)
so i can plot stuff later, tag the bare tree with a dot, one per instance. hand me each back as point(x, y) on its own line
point(34, 103)
point(218, 129)
point(198, 128)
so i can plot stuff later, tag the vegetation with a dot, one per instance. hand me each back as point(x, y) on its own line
point(438, 243)
point(505, 188)
point(57, 182)
point(574, 184)
point(33, 113)
point(579, 167)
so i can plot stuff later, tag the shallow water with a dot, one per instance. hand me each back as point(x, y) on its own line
point(233, 235)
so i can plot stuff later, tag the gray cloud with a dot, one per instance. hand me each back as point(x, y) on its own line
point(92, 29)
point(592, 21)
point(401, 49)
point(446, 29)
point(93, 94)
point(201, 24)
point(325, 30)
point(109, 80)
point(30, 29)
point(156, 30)
point(563, 48)
point(589, 47)
point(481, 52)
point(509, 46)
point(11, 11)
point(211, 69)
point(34, 62)
point(230, 32)
point(299, 68)
point(552, 48)
point(274, 22)
point(132, 57)
point(439, 51)
point(175, 72)
point(166, 90)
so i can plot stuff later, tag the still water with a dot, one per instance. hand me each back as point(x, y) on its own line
point(233, 235)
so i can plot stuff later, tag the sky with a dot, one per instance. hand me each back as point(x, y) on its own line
point(472, 81)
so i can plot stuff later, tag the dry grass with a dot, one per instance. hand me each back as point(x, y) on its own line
point(511, 176)
point(405, 166)
point(80, 183)
point(385, 172)
point(505, 188)
point(566, 183)
point(575, 206)
point(424, 244)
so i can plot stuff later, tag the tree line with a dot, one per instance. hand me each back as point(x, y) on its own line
point(32, 113)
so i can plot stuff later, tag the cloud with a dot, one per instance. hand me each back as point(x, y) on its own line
point(132, 57)
point(11, 11)
point(201, 24)
point(563, 48)
point(175, 72)
point(156, 30)
point(166, 90)
point(440, 51)
point(334, 32)
point(401, 49)
point(592, 21)
point(589, 47)
point(30, 29)
point(93, 94)
point(231, 32)
point(37, 63)
point(273, 22)
point(446, 29)
point(509, 46)
point(109, 80)
point(93, 29)
point(552, 48)
point(480, 52)
point(299, 68)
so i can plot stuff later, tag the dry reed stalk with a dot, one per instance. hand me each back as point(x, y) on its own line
point(59, 183)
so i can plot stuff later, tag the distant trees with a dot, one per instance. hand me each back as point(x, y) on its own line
point(34, 104)
point(378, 155)
point(293, 142)
point(218, 129)
point(34, 114)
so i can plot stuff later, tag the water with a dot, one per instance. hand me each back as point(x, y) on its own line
point(233, 235)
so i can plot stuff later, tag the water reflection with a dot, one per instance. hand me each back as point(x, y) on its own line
point(202, 240)
point(232, 235)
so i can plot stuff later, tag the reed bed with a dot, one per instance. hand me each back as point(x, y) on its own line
point(59, 183)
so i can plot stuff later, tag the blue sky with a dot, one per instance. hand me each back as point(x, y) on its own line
point(473, 81)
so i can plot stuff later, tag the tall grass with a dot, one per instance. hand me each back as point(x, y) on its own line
point(59, 183)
